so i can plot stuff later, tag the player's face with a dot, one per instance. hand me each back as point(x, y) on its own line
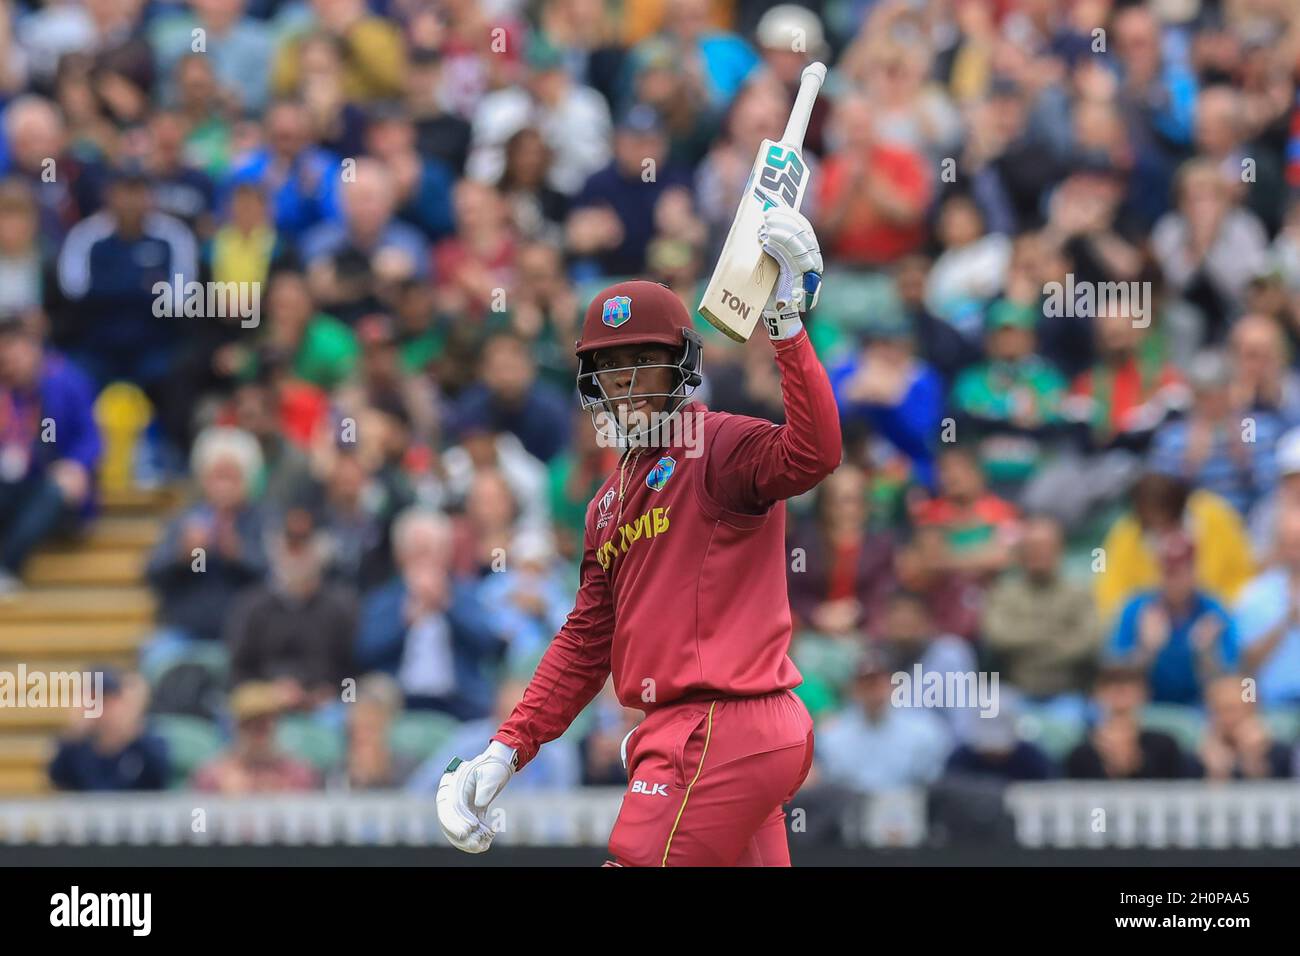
point(629, 371)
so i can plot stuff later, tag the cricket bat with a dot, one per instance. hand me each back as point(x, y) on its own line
point(745, 275)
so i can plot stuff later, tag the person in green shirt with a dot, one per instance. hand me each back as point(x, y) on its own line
point(1011, 402)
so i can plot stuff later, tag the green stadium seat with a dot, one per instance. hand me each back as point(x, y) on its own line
point(1056, 736)
point(213, 657)
point(191, 742)
point(417, 735)
point(1185, 724)
point(1284, 725)
point(304, 738)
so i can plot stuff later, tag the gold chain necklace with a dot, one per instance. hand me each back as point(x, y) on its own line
point(622, 475)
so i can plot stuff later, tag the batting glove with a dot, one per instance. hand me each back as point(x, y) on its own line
point(787, 236)
point(466, 790)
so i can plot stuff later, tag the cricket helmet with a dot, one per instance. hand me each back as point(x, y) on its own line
point(637, 312)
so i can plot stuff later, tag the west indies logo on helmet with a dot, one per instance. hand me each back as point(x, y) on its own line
point(633, 400)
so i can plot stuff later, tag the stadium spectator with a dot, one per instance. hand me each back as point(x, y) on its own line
point(1209, 248)
point(1220, 447)
point(921, 651)
point(113, 750)
point(1011, 403)
point(371, 762)
point(720, 60)
point(301, 179)
point(989, 746)
point(978, 527)
point(873, 194)
point(376, 61)
point(210, 551)
point(1268, 620)
point(27, 283)
point(286, 471)
point(971, 270)
point(1237, 743)
point(49, 445)
point(1263, 379)
point(440, 134)
point(922, 566)
point(179, 190)
point(603, 747)
point(608, 226)
point(871, 745)
point(37, 152)
point(1040, 627)
point(426, 628)
point(510, 398)
point(528, 601)
point(1118, 747)
point(423, 185)
point(846, 572)
point(1178, 634)
point(109, 268)
point(1162, 503)
point(537, 211)
point(353, 265)
point(295, 630)
point(239, 45)
point(573, 121)
point(1268, 511)
point(474, 266)
point(897, 395)
point(254, 762)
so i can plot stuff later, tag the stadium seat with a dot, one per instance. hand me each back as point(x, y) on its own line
point(417, 735)
point(1185, 724)
point(1284, 725)
point(1056, 736)
point(304, 738)
point(191, 742)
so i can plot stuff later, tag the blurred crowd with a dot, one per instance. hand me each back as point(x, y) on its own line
point(1099, 504)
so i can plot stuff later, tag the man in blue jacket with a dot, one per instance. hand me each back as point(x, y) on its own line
point(49, 445)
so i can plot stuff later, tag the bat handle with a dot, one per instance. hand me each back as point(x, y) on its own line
point(810, 84)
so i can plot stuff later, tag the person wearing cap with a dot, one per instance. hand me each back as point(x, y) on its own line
point(613, 213)
point(254, 762)
point(115, 751)
point(1012, 401)
point(573, 119)
point(708, 663)
point(871, 745)
point(789, 37)
point(49, 445)
point(1180, 636)
point(897, 395)
point(1219, 446)
point(1117, 746)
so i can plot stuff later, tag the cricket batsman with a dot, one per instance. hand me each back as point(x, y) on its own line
point(683, 586)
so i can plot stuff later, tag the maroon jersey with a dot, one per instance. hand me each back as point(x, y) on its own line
point(683, 591)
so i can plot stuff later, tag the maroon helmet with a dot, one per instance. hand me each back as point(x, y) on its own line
point(633, 313)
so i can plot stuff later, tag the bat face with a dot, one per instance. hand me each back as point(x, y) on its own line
point(745, 275)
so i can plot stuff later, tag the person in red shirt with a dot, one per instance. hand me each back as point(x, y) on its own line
point(683, 595)
point(873, 195)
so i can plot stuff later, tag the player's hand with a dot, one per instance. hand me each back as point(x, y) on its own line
point(788, 237)
point(466, 790)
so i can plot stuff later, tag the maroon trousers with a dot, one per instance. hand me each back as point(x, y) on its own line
point(707, 780)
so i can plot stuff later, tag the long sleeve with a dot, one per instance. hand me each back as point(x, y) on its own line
point(571, 672)
point(753, 462)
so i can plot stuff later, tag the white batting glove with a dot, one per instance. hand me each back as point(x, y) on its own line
point(788, 237)
point(466, 790)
